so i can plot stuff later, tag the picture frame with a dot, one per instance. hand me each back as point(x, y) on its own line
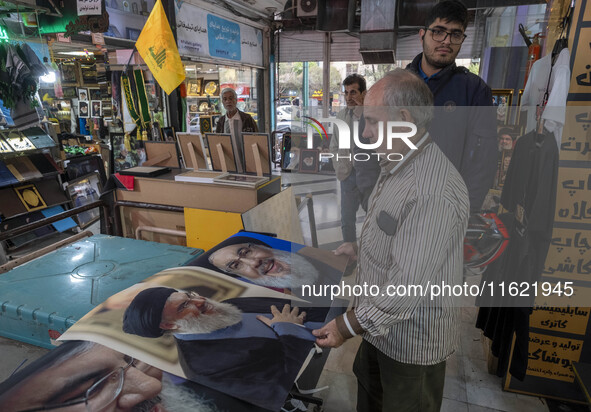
point(309, 160)
point(131, 33)
point(502, 100)
point(96, 107)
point(69, 73)
point(162, 154)
point(124, 152)
point(194, 86)
point(82, 95)
point(211, 88)
point(83, 191)
point(205, 124)
point(263, 143)
point(198, 146)
point(225, 140)
point(30, 197)
point(69, 92)
point(168, 134)
point(83, 110)
point(240, 180)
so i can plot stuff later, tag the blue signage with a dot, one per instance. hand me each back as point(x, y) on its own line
point(224, 38)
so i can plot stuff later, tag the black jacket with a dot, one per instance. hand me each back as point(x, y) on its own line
point(464, 127)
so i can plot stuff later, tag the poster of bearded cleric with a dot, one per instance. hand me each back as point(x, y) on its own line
point(285, 266)
point(238, 338)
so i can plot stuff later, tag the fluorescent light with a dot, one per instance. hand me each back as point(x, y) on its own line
point(48, 78)
point(77, 53)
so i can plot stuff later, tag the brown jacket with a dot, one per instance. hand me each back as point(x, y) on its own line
point(248, 124)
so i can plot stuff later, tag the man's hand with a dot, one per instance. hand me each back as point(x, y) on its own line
point(287, 315)
point(349, 249)
point(328, 336)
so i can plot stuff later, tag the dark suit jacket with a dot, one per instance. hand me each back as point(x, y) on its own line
point(258, 370)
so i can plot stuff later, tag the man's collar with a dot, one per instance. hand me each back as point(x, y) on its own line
point(395, 167)
point(424, 75)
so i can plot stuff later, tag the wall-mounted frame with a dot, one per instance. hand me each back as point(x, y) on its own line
point(83, 95)
point(309, 160)
point(83, 191)
point(263, 144)
point(194, 86)
point(211, 88)
point(225, 140)
point(502, 100)
point(193, 150)
point(69, 72)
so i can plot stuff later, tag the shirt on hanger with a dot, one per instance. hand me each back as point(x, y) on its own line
point(533, 94)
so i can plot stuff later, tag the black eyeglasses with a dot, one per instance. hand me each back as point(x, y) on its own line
point(99, 395)
point(455, 37)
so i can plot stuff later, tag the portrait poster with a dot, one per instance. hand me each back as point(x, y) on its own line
point(96, 106)
point(284, 265)
point(83, 110)
point(236, 353)
point(82, 95)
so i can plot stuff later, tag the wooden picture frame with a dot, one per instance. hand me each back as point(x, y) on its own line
point(83, 191)
point(225, 141)
point(162, 154)
point(263, 144)
point(194, 86)
point(309, 160)
point(502, 100)
point(518, 118)
point(193, 150)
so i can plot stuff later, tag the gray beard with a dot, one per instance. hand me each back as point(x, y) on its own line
point(302, 272)
point(225, 315)
point(179, 398)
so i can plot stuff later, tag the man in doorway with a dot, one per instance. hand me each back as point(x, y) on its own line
point(226, 123)
point(357, 177)
point(463, 128)
point(413, 235)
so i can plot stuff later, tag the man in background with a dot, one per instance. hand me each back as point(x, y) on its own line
point(463, 128)
point(357, 178)
point(226, 123)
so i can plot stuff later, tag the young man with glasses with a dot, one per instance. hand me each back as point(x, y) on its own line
point(464, 126)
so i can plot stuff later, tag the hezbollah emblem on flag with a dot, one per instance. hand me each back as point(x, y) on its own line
point(157, 47)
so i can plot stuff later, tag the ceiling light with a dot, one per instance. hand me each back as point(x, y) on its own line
point(77, 53)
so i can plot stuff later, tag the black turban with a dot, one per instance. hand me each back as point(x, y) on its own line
point(144, 314)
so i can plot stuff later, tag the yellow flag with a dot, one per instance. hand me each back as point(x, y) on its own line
point(157, 47)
